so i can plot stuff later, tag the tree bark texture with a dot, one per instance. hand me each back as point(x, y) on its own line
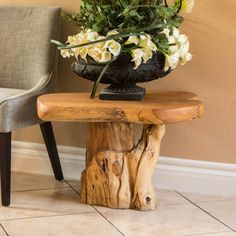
point(118, 173)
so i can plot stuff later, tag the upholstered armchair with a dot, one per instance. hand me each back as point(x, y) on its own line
point(27, 70)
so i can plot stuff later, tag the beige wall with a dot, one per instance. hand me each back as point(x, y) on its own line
point(211, 74)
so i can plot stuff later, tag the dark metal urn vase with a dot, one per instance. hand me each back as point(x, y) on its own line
point(122, 76)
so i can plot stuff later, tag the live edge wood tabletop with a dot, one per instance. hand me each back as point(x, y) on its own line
point(118, 172)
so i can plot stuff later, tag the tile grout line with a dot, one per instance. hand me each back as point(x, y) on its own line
point(108, 220)
point(36, 217)
point(38, 189)
point(205, 211)
point(98, 211)
point(4, 230)
point(208, 233)
point(71, 186)
point(48, 216)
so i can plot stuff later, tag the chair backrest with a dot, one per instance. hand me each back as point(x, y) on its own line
point(26, 53)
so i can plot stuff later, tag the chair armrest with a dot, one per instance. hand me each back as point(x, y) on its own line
point(43, 82)
point(19, 111)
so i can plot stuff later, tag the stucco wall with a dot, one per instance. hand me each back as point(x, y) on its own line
point(211, 74)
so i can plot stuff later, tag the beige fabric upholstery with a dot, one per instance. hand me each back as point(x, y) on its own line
point(27, 62)
point(6, 93)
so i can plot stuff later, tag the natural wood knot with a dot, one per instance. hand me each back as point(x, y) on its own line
point(102, 161)
point(150, 151)
point(148, 200)
point(104, 165)
point(116, 168)
point(100, 158)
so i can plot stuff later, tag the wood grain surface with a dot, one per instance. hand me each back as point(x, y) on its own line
point(157, 108)
point(119, 173)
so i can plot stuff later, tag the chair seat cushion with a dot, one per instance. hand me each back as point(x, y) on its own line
point(8, 92)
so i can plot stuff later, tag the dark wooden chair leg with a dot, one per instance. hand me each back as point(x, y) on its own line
point(49, 139)
point(5, 167)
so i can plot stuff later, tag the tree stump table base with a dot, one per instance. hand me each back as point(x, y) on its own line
point(118, 173)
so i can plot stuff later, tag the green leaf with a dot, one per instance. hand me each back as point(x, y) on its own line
point(124, 3)
point(97, 27)
point(87, 5)
point(127, 16)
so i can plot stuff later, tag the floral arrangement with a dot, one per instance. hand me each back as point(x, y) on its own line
point(139, 27)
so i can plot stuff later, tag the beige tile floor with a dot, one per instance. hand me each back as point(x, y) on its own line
point(42, 206)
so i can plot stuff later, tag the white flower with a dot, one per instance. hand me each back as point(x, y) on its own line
point(145, 50)
point(114, 48)
point(137, 57)
point(105, 57)
point(147, 46)
point(137, 53)
point(179, 50)
point(92, 36)
point(175, 32)
point(100, 57)
point(172, 61)
point(146, 43)
point(99, 47)
point(171, 39)
point(99, 53)
point(173, 49)
point(102, 45)
point(76, 52)
point(132, 40)
point(83, 53)
point(189, 57)
point(186, 58)
point(113, 32)
point(92, 52)
point(184, 48)
point(80, 38)
point(166, 31)
point(66, 53)
point(71, 39)
point(147, 55)
point(182, 38)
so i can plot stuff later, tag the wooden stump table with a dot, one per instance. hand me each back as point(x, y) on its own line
point(119, 172)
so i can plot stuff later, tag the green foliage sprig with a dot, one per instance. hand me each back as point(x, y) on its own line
point(128, 16)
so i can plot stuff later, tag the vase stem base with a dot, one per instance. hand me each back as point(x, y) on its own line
point(123, 93)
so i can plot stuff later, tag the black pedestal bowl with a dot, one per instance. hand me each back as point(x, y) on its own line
point(122, 76)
